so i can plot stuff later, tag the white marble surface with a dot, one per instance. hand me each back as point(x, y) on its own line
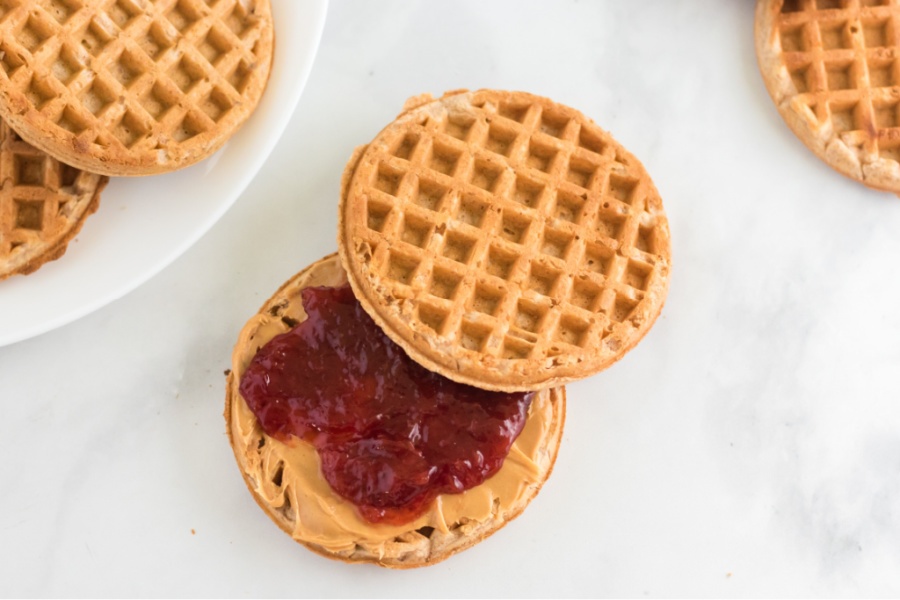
point(749, 446)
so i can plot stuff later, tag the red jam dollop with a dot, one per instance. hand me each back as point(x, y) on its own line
point(390, 434)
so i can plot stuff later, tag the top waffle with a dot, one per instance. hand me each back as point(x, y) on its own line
point(504, 240)
point(831, 66)
point(132, 87)
point(43, 204)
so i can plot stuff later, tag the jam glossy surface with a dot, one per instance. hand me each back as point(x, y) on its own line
point(391, 435)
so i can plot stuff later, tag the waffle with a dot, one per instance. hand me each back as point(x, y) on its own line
point(831, 67)
point(504, 240)
point(287, 484)
point(43, 204)
point(132, 87)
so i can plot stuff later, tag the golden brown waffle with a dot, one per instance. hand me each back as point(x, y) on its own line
point(132, 87)
point(43, 204)
point(504, 240)
point(831, 66)
point(287, 484)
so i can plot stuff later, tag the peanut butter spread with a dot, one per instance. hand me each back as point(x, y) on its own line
point(287, 481)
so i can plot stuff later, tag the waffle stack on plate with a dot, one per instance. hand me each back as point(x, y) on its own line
point(131, 87)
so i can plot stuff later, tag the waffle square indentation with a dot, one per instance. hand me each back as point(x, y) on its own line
point(97, 97)
point(876, 33)
point(377, 215)
point(515, 112)
point(840, 76)
point(513, 227)
point(97, 36)
point(34, 32)
point(487, 299)
point(885, 113)
point(485, 175)
point(430, 194)
point(123, 11)
point(835, 35)
point(443, 159)
point(500, 262)
point(215, 44)
point(458, 247)
point(29, 170)
point(527, 192)
point(622, 308)
point(472, 211)
point(597, 259)
point(159, 99)
point(542, 278)
point(217, 104)
point(794, 39)
point(528, 316)
point(637, 275)
point(474, 335)
point(183, 15)
point(10, 61)
point(843, 116)
point(621, 187)
point(572, 331)
point(553, 123)
point(581, 172)
point(62, 10)
point(387, 179)
point(401, 268)
point(130, 129)
point(540, 156)
point(500, 139)
point(39, 92)
point(881, 73)
point(407, 146)
point(556, 243)
point(585, 294)
point(416, 231)
point(458, 126)
point(444, 283)
point(568, 206)
point(30, 214)
point(67, 65)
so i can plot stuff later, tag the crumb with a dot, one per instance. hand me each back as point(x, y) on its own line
point(227, 372)
point(727, 575)
point(193, 532)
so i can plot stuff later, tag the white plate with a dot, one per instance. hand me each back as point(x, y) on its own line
point(144, 224)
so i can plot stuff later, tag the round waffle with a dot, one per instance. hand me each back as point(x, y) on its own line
point(831, 67)
point(504, 240)
point(286, 481)
point(132, 87)
point(43, 204)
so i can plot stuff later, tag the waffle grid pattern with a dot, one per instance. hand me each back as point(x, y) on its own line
point(131, 76)
point(41, 200)
point(523, 231)
point(841, 58)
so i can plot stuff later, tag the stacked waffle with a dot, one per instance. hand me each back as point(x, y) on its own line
point(120, 88)
point(503, 241)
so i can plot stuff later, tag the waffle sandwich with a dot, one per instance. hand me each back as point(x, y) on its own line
point(287, 483)
point(132, 87)
point(831, 68)
point(43, 204)
point(504, 242)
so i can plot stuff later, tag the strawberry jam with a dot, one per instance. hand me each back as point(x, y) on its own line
point(390, 434)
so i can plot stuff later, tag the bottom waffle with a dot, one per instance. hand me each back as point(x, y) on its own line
point(286, 480)
point(43, 204)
